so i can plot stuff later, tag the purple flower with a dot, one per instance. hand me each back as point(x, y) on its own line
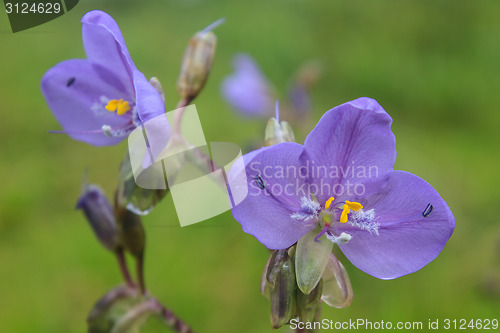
point(101, 99)
point(341, 182)
point(248, 90)
point(100, 215)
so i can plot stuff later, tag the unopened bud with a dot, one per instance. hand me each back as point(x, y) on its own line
point(136, 316)
point(107, 310)
point(131, 231)
point(99, 213)
point(277, 132)
point(282, 288)
point(155, 82)
point(337, 289)
point(139, 200)
point(197, 62)
point(308, 306)
point(309, 73)
point(265, 289)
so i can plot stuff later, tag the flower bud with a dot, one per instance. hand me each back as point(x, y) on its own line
point(197, 62)
point(135, 318)
point(309, 73)
point(99, 213)
point(282, 288)
point(110, 307)
point(308, 306)
point(131, 231)
point(155, 82)
point(265, 289)
point(277, 132)
point(337, 289)
point(139, 200)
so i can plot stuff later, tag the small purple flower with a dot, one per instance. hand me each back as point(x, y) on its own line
point(248, 90)
point(101, 99)
point(341, 182)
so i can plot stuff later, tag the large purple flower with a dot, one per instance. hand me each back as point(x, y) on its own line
point(341, 182)
point(101, 99)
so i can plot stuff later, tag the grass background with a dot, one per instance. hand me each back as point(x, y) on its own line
point(433, 65)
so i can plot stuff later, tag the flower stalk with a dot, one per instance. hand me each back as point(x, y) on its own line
point(122, 263)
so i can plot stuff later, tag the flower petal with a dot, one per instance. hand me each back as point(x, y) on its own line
point(407, 240)
point(148, 100)
point(247, 90)
point(353, 142)
point(104, 44)
point(266, 216)
point(73, 90)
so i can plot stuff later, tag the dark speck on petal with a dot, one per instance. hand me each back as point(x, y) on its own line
point(70, 82)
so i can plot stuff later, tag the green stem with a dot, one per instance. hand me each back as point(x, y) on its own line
point(120, 255)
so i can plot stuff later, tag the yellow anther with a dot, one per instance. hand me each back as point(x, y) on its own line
point(345, 211)
point(113, 105)
point(329, 202)
point(123, 108)
point(355, 206)
point(119, 105)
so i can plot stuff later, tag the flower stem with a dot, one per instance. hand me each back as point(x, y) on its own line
point(140, 273)
point(178, 116)
point(120, 255)
point(173, 321)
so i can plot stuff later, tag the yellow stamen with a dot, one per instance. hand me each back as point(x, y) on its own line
point(112, 105)
point(329, 202)
point(123, 108)
point(120, 106)
point(345, 211)
point(355, 206)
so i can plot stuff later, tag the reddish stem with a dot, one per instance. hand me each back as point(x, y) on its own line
point(120, 255)
point(140, 273)
point(178, 116)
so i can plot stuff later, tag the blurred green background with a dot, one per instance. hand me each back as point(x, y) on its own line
point(433, 65)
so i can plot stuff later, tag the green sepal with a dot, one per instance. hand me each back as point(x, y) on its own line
point(311, 258)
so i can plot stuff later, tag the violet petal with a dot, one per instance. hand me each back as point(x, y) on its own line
point(104, 44)
point(73, 90)
point(266, 216)
point(348, 139)
point(407, 240)
point(148, 100)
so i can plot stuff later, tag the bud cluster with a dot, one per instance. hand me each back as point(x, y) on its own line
point(289, 301)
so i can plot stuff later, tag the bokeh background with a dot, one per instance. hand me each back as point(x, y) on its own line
point(433, 65)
